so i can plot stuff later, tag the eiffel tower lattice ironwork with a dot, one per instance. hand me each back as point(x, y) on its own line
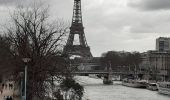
point(82, 49)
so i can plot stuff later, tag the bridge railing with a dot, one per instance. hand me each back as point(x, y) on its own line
point(104, 71)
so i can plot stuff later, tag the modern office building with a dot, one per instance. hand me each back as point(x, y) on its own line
point(163, 44)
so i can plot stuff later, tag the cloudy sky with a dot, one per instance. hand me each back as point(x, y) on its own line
point(130, 25)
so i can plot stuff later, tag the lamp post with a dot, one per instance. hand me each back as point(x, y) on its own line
point(21, 76)
point(25, 60)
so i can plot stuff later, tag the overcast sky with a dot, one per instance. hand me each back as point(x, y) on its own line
point(130, 25)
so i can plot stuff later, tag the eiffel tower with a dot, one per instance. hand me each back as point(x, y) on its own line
point(82, 50)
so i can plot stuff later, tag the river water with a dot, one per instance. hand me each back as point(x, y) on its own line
point(95, 90)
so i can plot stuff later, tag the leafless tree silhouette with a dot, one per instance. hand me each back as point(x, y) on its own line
point(31, 35)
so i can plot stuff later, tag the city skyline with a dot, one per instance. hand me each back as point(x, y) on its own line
point(111, 25)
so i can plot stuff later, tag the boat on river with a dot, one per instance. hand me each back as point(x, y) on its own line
point(152, 86)
point(134, 83)
point(164, 88)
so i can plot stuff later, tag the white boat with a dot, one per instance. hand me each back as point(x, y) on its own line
point(164, 88)
point(134, 83)
point(152, 86)
point(108, 82)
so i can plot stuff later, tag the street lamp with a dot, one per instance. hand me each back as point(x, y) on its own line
point(21, 76)
point(25, 60)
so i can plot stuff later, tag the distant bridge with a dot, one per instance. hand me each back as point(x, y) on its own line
point(108, 74)
point(104, 72)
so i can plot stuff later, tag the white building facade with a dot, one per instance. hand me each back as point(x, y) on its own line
point(157, 62)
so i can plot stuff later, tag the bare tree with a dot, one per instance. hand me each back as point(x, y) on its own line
point(32, 36)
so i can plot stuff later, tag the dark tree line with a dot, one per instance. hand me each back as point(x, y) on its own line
point(5, 56)
point(31, 35)
point(121, 60)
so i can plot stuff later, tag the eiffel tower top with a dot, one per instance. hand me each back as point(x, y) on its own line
point(77, 28)
point(77, 14)
point(77, 23)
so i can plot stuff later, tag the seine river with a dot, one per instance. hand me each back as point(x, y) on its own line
point(95, 90)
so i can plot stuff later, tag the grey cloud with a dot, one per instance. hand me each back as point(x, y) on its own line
point(121, 29)
point(20, 2)
point(150, 5)
point(8, 2)
point(151, 23)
